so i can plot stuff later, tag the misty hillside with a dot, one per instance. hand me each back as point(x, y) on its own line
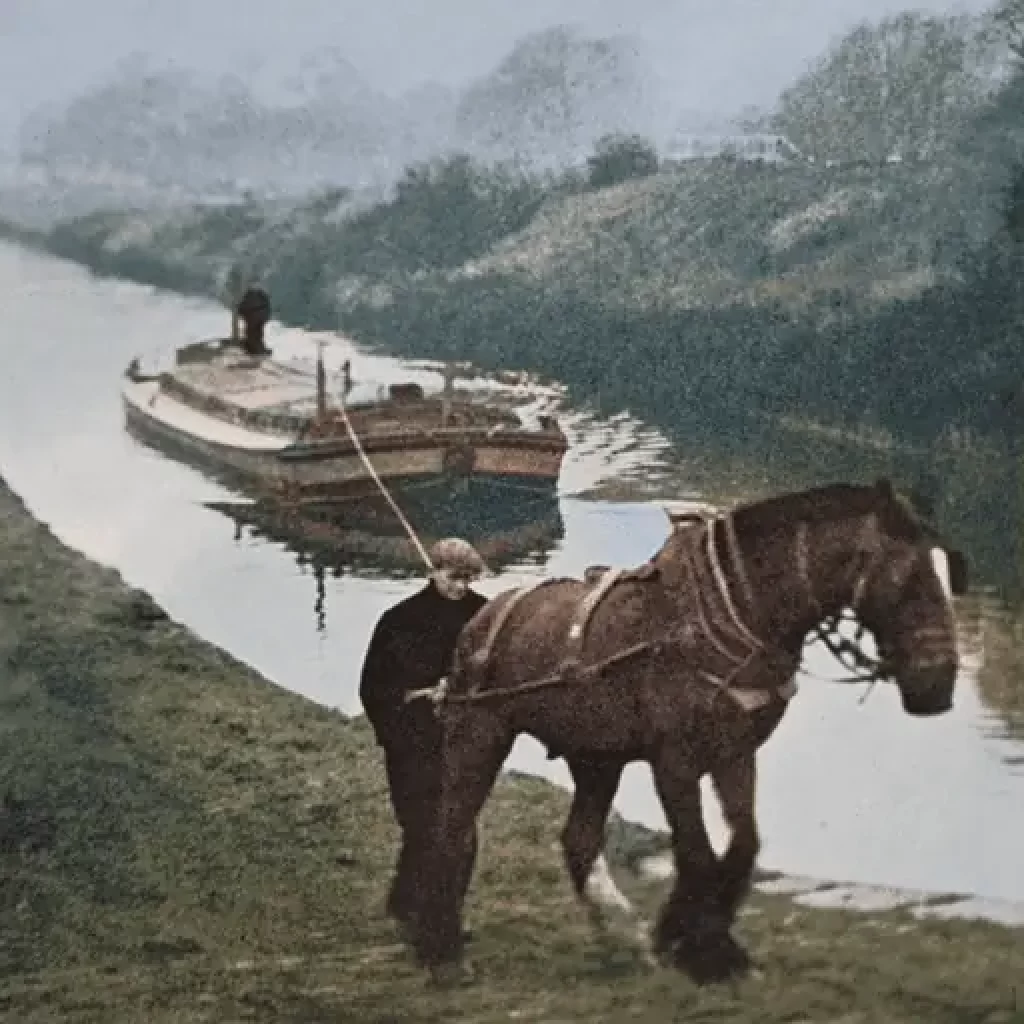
point(882, 290)
point(168, 127)
point(904, 87)
point(545, 104)
point(896, 122)
point(694, 235)
point(714, 234)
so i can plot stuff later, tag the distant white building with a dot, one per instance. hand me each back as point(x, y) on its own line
point(765, 146)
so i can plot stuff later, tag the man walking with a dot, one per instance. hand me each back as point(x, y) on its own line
point(412, 648)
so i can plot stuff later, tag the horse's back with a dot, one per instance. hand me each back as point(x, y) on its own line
point(486, 639)
point(520, 637)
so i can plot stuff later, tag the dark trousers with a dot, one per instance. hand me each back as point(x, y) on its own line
point(413, 772)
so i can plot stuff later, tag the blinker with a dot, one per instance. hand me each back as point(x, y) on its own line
point(957, 572)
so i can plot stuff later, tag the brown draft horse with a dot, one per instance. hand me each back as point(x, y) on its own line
point(686, 663)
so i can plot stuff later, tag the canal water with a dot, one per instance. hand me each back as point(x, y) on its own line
point(850, 788)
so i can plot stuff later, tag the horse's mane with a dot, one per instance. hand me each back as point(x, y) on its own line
point(828, 504)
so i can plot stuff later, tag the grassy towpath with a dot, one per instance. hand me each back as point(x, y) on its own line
point(182, 840)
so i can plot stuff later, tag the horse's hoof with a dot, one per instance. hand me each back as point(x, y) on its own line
point(731, 952)
point(713, 961)
point(649, 959)
point(643, 945)
point(450, 975)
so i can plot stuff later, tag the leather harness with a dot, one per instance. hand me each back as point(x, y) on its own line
point(602, 581)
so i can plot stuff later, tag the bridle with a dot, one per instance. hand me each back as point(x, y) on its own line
point(849, 653)
point(863, 667)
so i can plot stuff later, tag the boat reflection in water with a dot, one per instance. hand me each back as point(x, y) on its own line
point(319, 463)
point(366, 539)
point(509, 520)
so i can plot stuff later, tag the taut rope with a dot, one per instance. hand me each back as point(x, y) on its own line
point(361, 452)
point(383, 490)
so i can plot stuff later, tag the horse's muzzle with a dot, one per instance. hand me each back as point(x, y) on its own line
point(928, 689)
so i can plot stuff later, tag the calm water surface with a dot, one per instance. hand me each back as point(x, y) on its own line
point(849, 790)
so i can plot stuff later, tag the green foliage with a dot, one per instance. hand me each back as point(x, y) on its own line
point(698, 370)
point(618, 158)
point(443, 213)
point(901, 86)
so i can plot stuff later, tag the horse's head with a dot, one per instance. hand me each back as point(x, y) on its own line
point(902, 583)
point(813, 553)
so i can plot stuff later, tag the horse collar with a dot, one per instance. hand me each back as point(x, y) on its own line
point(736, 555)
point(723, 583)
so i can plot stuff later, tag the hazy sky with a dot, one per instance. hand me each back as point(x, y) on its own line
point(714, 54)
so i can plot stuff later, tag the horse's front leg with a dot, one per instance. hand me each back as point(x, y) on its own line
point(736, 786)
point(473, 750)
point(596, 780)
point(691, 927)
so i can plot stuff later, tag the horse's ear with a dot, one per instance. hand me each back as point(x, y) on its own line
point(957, 571)
point(883, 485)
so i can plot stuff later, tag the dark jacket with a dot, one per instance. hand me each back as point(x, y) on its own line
point(411, 647)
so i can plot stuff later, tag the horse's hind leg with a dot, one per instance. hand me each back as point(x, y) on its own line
point(690, 926)
point(474, 748)
point(735, 784)
point(596, 781)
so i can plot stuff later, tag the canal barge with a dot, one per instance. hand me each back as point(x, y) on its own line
point(275, 428)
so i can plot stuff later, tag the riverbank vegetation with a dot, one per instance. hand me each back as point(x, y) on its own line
point(873, 281)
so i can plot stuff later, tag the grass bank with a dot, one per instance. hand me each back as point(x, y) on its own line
point(182, 840)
